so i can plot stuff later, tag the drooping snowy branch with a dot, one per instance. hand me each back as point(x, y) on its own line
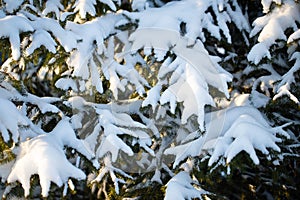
point(17, 117)
point(165, 35)
point(192, 25)
point(272, 27)
point(229, 132)
point(109, 126)
point(10, 121)
point(44, 155)
point(288, 78)
point(108, 168)
point(11, 27)
point(89, 6)
point(180, 187)
point(82, 60)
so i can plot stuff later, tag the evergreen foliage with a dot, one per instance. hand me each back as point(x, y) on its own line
point(149, 99)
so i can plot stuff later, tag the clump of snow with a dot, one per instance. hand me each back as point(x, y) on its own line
point(110, 141)
point(243, 128)
point(88, 6)
point(273, 27)
point(267, 3)
point(12, 5)
point(53, 6)
point(258, 52)
point(66, 38)
point(195, 20)
point(89, 34)
point(180, 187)
point(11, 27)
point(39, 38)
point(139, 5)
point(10, 121)
point(293, 37)
point(66, 83)
point(44, 155)
point(42, 103)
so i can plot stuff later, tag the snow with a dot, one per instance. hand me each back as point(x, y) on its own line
point(272, 27)
point(95, 78)
point(293, 37)
point(44, 155)
point(180, 187)
point(267, 3)
point(39, 38)
point(12, 5)
point(153, 96)
point(10, 120)
point(113, 144)
point(11, 27)
point(5, 169)
point(111, 123)
point(110, 142)
point(66, 83)
point(111, 170)
point(139, 5)
point(228, 132)
point(258, 52)
point(66, 38)
point(249, 134)
point(110, 3)
point(196, 19)
point(53, 6)
point(44, 106)
point(193, 69)
point(189, 78)
point(85, 6)
point(243, 129)
point(237, 16)
point(285, 90)
point(288, 78)
point(88, 6)
point(156, 177)
point(94, 31)
point(97, 50)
